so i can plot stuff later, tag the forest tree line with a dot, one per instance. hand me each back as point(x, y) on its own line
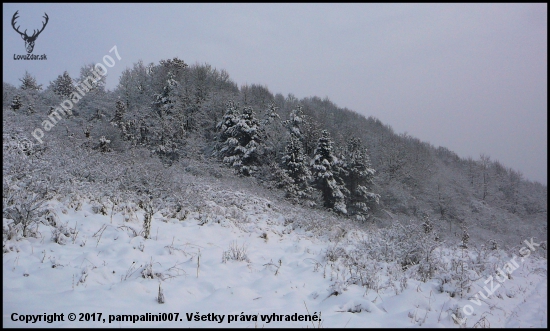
point(317, 153)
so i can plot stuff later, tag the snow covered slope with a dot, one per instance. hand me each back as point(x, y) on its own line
point(237, 261)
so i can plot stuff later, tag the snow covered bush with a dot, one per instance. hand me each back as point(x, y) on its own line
point(235, 252)
point(25, 206)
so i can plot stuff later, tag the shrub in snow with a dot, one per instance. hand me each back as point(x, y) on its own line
point(456, 275)
point(147, 271)
point(337, 288)
point(457, 315)
point(104, 144)
point(24, 206)
point(235, 252)
point(334, 252)
point(59, 235)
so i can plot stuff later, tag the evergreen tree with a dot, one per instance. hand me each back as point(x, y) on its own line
point(230, 119)
point(28, 82)
point(272, 135)
point(325, 175)
point(295, 121)
point(120, 110)
point(143, 132)
point(63, 85)
point(166, 100)
point(30, 108)
point(294, 164)
point(174, 64)
point(240, 139)
point(16, 103)
point(271, 114)
point(294, 161)
point(359, 180)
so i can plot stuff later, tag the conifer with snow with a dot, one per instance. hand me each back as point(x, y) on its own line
point(28, 82)
point(166, 100)
point(230, 119)
point(359, 180)
point(30, 108)
point(325, 168)
point(240, 139)
point(120, 110)
point(63, 85)
point(16, 103)
point(295, 121)
point(295, 165)
point(271, 115)
point(294, 161)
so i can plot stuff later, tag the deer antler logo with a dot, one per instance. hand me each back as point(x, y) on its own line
point(29, 40)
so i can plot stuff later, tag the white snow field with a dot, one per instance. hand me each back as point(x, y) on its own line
point(239, 261)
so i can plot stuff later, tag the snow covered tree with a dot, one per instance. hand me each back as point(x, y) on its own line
point(271, 114)
point(30, 108)
point(465, 237)
point(16, 103)
point(28, 82)
point(8, 92)
point(240, 139)
point(63, 85)
point(485, 162)
point(311, 132)
point(511, 191)
point(120, 110)
point(325, 175)
point(295, 121)
point(143, 132)
point(90, 80)
point(135, 85)
point(294, 161)
point(273, 135)
point(230, 119)
point(294, 164)
point(167, 147)
point(359, 180)
point(174, 64)
point(165, 101)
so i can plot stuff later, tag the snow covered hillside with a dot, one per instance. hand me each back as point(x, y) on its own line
point(239, 260)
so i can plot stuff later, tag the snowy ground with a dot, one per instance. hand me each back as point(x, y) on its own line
point(100, 266)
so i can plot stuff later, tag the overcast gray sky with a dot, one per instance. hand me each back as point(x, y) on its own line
point(470, 77)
